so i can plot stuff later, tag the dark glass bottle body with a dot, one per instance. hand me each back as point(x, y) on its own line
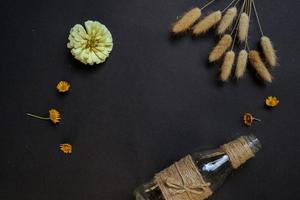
point(214, 166)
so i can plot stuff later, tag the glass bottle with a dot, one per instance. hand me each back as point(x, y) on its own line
point(213, 165)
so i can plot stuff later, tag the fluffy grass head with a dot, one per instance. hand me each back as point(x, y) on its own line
point(220, 48)
point(243, 28)
point(269, 51)
point(227, 66)
point(186, 21)
point(259, 66)
point(227, 20)
point(241, 64)
point(207, 23)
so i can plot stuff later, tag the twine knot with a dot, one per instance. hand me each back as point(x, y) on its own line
point(183, 181)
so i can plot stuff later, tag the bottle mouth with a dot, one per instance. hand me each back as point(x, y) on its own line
point(253, 143)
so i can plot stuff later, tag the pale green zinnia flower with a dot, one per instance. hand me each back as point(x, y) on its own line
point(90, 44)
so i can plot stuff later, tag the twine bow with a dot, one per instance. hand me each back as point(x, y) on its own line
point(183, 181)
point(181, 187)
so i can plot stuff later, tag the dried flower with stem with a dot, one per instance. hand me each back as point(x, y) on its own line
point(233, 26)
point(248, 119)
point(266, 43)
point(54, 116)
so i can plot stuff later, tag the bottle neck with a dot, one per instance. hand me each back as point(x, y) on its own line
point(241, 149)
point(215, 165)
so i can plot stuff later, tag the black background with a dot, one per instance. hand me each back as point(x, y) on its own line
point(153, 101)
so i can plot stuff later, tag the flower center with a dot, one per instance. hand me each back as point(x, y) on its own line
point(63, 87)
point(91, 43)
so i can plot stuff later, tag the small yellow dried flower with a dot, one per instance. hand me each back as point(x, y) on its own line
point(63, 86)
point(54, 116)
point(90, 44)
point(66, 148)
point(272, 101)
point(248, 119)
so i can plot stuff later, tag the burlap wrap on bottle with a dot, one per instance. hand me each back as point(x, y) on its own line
point(183, 181)
point(238, 151)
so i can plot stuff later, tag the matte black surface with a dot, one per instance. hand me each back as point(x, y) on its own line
point(152, 102)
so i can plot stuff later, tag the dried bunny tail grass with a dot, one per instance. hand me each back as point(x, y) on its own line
point(227, 20)
point(269, 51)
point(243, 27)
point(208, 22)
point(259, 66)
point(227, 66)
point(186, 21)
point(241, 64)
point(220, 48)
